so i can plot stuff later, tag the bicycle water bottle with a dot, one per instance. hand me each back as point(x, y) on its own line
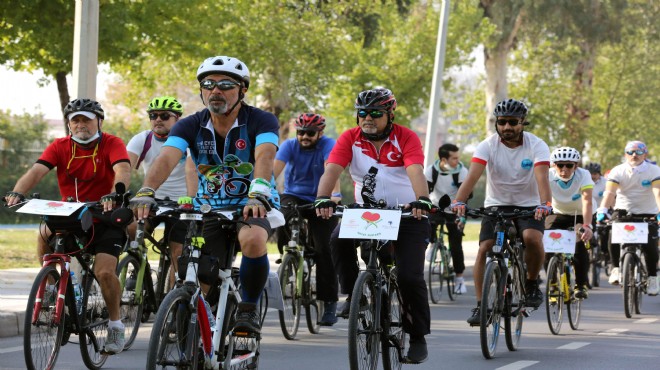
point(77, 292)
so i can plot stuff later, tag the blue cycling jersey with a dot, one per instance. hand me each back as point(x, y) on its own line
point(304, 167)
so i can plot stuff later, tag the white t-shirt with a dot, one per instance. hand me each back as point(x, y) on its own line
point(175, 185)
point(597, 194)
point(567, 197)
point(445, 182)
point(510, 171)
point(635, 193)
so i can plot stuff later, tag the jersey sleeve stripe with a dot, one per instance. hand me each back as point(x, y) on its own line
point(479, 160)
point(177, 142)
point(542, 163)
point(267, 137)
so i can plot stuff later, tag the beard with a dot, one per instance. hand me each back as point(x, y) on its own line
point(218, 105)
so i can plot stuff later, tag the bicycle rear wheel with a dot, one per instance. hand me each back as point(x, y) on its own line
point(130, 309)
point(94, 328)
point(574, 305)
point(513, 324)
point(290, 316)
point(490, 310)
point(436, 273)
point(448, 273)
point(629, 285)
point(42, 336)
point(394, 338)
point(363, 338)
point(313, 307)
point(554, 296)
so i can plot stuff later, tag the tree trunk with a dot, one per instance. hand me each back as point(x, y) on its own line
point(496, 83)
point(579, 106)
point(63, 90)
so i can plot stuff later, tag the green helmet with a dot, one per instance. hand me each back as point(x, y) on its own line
point(165, 103)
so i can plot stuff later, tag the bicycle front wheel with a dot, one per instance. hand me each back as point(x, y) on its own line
point(554, 296)
point(94, 330)
point(629, 285)
point(130, 306)
point(394, 338)
point(290, 316)
point(363, 336)
point(436, 273)
point(594, 265)
point(313, 307)
point(513, 320)
point(490, 310)
point(42, 336)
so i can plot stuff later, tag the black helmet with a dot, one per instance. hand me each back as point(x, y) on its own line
point(593, 167)
point(378, 98)
point(83, 105)
point(510, 108)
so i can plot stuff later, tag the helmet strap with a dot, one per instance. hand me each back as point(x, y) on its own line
point(159, 137)
point(240, 99)
point(383, 135)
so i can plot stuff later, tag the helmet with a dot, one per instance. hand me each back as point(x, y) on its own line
point(510, 108)
point(168, 103)
point(565, 154)
point(83, 105)
point(378, 98)
point(310, 121)
point(593, 167)
point(224, 65)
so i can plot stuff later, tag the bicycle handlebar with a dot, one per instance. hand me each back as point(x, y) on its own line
point(495, 214)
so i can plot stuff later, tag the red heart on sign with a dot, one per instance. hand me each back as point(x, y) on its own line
point(54, 204)
point(555, 235)
point(629, 227)
point(372, 217)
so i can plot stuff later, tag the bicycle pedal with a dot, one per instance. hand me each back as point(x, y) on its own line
point(246, 334)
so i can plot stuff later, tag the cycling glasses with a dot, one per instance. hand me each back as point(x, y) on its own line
point(306, 133)
point(372, 113)
point(164, 116)
point(638, 152)
point(567, 165)
point(512, 122)
point(223, 85)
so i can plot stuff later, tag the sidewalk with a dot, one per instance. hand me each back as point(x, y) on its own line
point(15, 285)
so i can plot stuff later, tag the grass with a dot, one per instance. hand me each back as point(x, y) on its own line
point(18, 246)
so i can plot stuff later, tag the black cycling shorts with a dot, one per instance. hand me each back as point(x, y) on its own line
point(488, 224)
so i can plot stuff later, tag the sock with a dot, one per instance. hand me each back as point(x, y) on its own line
point(115, 324)
point(253, 275)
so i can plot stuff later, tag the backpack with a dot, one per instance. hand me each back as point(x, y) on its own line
point(434, 180)
point(147, 146)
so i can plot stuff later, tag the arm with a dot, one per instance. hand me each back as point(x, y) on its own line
point(278, 167)
point(420, 187)
point(133, 158)
point(474, 173)
point(264, 156)
point(586, 214)
point(191, 177)
point(123, 175)
point(28, 181)
point(609, 194)
point(327, 182)
point(541, 174)
point(656, 192)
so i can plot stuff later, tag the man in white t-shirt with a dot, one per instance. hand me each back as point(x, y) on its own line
point(636, 185)
point(143, 148)
point(517, 165)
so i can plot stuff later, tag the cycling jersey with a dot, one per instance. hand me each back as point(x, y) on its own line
point(567, 196)
point(225, 165)
point(445, 182)
point(510, 171)
point(634, 192)
point(175, 185)
point(304, 167)
point(400, 150)
point(85, 174)
point(597, 194)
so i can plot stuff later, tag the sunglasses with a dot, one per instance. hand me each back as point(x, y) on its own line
point(223, 85)
point(638, 152)
point(567, 165)
point(511, 122)
point(372, 113)
point(164, 116)
point(306, 133)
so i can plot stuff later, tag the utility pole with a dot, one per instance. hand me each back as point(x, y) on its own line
point(85, 49)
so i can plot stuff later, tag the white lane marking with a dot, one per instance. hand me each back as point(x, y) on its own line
point(11, 349)
point(614, 331)
point(517, 365)
point(574, 345)
point(645, 321)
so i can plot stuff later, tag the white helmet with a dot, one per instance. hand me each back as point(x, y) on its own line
point(224, 65)
point(565, 153)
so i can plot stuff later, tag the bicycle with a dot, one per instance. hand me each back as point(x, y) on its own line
point(52, 312)
point(183, 336)
point(297, 277)
point(143, 289)
point(503, 293)
point(599, 258)
point(440, 267)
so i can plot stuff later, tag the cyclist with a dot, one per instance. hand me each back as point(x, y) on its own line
point(597, 195)
point(386, 163)
point(143, 148)
point(89, 163)
point(517, 165)
point(636, 185)
point(233, 145)
point(572, 203)
point(444, 177)
point(303, 160)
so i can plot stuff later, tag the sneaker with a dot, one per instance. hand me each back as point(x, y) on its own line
point(115, 341)
point(534, 297)
point(614, 276)
point(345, 309)
point(475, 319)
point(653, 285)
point(429, 253)
point(581, 292)
point(247, 319)
point(417, 353)
point(329, 317)
point(460, 287)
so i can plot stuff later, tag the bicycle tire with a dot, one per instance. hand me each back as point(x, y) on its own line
point(130, 311)
point(574, 305)
point(313, 306)
point(394, 338)
point(162, 281)
point(41, 344)
point(290, 316)
point(629, 285)
point(594, 265)
point(554, 296)
point(94, 330)
point(363, 338)
point(448, 273)
point(490, 310)
point(435, 273)
point(641, 282)
point(170, 344)
point(513, 324)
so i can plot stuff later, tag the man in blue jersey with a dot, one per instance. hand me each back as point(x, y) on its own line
point(303, 161)
point(233, 146)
